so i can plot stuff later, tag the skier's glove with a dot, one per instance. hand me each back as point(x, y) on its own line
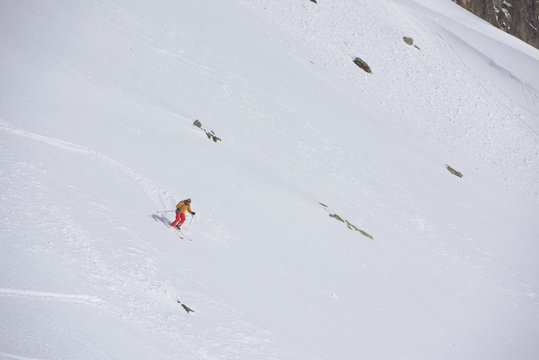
point(193, 213)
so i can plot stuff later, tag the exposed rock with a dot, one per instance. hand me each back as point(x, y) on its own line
point(210, 134)
point(353, 227)
point(516, 17)
point(453, 171)
point(185, 307)
point(410, 42)
point(335, 216)
point(348, 223)
point(362, 64)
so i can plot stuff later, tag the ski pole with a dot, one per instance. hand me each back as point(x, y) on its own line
point(166, 211)
point(187, 227)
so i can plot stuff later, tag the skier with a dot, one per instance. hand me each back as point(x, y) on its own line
point(181, 208)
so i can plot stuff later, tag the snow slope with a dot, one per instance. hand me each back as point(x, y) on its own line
point(97, 106)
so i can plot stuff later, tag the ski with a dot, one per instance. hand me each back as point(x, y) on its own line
point(184, 236)
point(177, 232)
point(180, 233)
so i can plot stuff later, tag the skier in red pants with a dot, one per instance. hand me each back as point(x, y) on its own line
point(181, 208)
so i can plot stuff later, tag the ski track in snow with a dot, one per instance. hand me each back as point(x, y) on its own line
point(7, 356)
point(154, 192)
point(85, 299)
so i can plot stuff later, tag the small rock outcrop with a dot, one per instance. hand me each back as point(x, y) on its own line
point(410, 41)
point(362, 64)
point(348, 223)
point(185, 307)
point(453, 171)
point(210, 134)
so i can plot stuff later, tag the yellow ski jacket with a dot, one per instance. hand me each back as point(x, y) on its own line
point(182, 207)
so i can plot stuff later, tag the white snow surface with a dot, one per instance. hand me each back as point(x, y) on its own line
point(97, 104)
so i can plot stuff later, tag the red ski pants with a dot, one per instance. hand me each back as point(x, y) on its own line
point(180, 218)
